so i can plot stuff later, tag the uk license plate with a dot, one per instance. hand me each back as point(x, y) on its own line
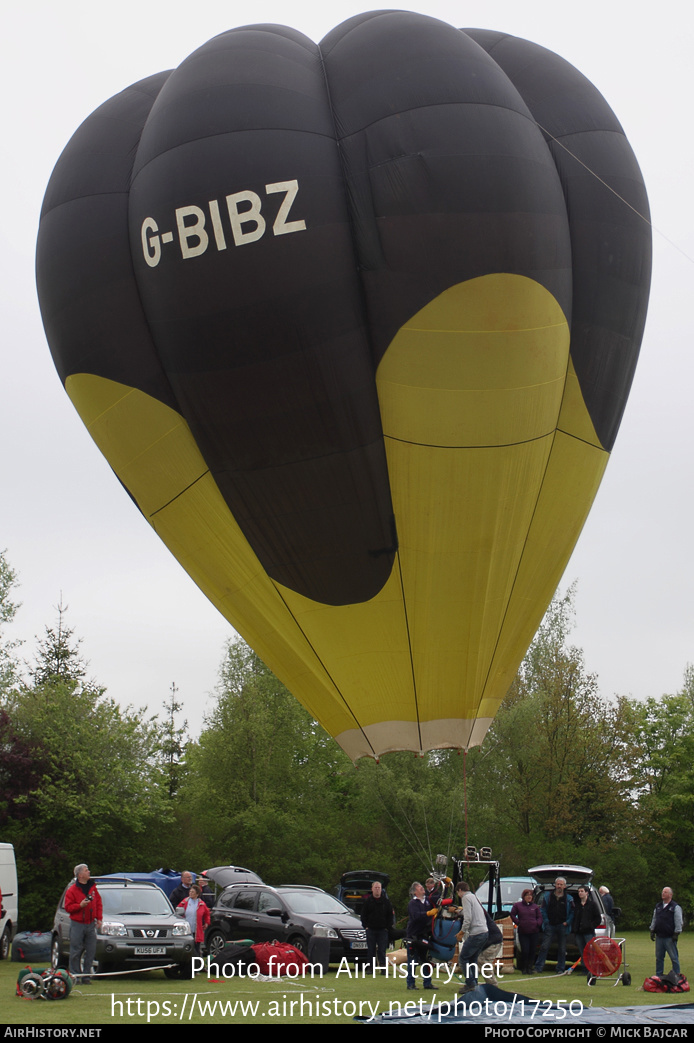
point(150, 950)
point(358, 945)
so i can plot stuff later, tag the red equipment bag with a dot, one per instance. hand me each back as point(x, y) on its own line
point(279, 959)
point(666, 983)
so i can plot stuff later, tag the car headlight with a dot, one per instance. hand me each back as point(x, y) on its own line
point(321, 931)
point(114, 929)
point(181, 928)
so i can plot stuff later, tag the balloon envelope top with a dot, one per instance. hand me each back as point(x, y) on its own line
point(355, 323)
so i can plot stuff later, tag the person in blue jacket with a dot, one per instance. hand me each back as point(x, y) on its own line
point(557, 910)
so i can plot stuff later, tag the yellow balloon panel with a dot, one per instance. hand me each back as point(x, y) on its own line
point(483, 364)
point(574, 472)
point(458, 562)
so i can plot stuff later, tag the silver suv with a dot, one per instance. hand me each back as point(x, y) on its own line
point(139, 929)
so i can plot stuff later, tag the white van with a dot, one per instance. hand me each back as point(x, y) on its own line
point(10, 899)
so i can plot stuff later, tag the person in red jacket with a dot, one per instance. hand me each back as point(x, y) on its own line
point(83, 904)
point(196, 913)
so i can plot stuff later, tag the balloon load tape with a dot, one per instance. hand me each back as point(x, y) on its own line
point(36, 984)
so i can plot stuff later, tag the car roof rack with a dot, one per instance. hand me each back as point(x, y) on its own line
point(299, 887)
point(104, 880)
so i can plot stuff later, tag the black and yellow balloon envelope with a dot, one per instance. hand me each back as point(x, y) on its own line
point(354, 324)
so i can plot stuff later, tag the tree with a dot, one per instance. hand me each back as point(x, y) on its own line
point(57, 657)
point(8, 609)
point(554, 769)
point(264, 783)
point(688, 684)
point(90, 789)
point(172, 745)
point(21, 770)
point(663, 780)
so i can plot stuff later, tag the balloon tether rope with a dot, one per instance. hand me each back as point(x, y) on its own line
point(614, 192)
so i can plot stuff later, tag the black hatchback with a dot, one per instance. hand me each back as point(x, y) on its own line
point(292, 914)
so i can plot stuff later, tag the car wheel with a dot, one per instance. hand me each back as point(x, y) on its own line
point(57, 959)
point(215, 943)
point(5, 943)
point(172, 972)
point(300, 943)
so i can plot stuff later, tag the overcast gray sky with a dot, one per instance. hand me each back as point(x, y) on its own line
point(68, 525)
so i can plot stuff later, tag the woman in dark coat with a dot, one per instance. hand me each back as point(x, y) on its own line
point(587, 918)
point(528, 919)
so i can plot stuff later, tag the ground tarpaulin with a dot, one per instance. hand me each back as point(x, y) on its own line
point(490, 1005)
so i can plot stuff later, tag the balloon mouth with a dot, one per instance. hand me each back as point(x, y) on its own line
point(391, 736)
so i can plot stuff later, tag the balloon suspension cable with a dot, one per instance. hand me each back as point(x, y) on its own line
point(453, 840)
point(456, 844)
point(450, 825)
point(418, 848)
point(419, 855)
point(614, 192)
point(426, 830)
point(465, 804)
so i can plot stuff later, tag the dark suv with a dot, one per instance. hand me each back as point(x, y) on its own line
point(139, 929)
point(289, 914)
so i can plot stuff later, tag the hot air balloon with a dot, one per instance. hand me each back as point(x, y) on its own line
point(354, 324)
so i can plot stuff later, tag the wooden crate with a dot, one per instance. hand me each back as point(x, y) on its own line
point(508, 957)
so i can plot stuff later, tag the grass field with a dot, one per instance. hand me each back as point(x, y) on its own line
point(333, 999)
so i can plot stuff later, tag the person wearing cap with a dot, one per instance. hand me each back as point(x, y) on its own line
point(83, 905)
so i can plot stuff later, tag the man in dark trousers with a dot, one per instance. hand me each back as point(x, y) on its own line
point(83, 905)
point(666, 927)
point(557, 909)
point(418, 928)
point(377, 917)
